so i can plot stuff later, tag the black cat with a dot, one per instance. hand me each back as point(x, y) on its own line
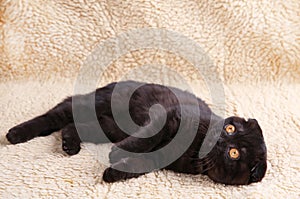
point(237, 152)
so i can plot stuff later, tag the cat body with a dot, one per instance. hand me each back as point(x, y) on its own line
point(238, 155)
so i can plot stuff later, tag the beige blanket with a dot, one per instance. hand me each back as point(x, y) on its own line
point(47, 47)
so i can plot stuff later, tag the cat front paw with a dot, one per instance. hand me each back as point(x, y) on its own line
point(18, 135)
point(113, 175)
point(126, 168)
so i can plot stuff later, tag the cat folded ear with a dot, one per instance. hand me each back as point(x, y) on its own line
point(258, 172)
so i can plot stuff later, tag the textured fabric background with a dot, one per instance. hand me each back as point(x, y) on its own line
point(254, 46)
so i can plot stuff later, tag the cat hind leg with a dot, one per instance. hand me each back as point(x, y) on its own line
point(73, 135)
point(70, 140)
point(42, 125)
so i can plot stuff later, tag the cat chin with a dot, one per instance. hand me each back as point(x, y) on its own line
point(220, 176)
point(258, 171)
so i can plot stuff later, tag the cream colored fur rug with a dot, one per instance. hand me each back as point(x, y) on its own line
point(254, 46)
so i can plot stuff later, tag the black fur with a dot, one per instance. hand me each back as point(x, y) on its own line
point(250, 167)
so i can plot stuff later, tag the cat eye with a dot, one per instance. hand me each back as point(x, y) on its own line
point(234, 153)
point(230, 129)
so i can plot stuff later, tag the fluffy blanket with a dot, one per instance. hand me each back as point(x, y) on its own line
point(249, 57)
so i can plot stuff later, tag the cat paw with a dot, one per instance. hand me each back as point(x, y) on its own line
point(17, 135)
point(112, 175)
point(117, 171)
point(70, 146)
point(70, 140)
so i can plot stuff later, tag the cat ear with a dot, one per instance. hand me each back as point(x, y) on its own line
point(258, 171)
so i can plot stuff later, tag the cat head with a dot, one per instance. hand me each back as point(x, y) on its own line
point(240, 153)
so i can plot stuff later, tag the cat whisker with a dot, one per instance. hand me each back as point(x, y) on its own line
point(208, 168)
point(205, 163)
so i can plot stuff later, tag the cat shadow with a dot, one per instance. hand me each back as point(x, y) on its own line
point(3, 140)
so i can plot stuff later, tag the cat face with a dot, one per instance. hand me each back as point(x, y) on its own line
point(240, 153)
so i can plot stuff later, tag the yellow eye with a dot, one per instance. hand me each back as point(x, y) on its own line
point(229, 128)
point(234, 153)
